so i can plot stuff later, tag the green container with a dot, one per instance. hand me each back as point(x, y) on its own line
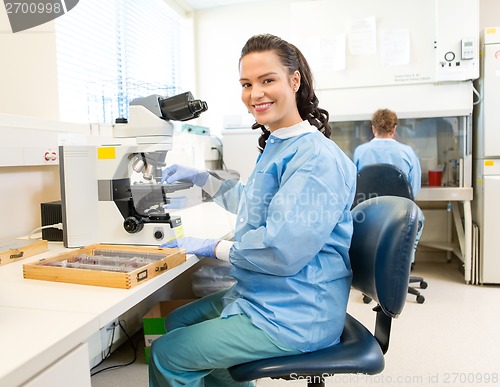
point(154, 321)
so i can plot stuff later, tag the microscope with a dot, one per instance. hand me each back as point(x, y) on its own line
point(111, 191)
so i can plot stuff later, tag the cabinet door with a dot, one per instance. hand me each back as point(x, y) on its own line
point(71, 370)
point(491, 75)
point(490, 263)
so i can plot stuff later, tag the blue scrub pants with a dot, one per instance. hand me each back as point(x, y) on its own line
point(200, 346)
point(421, 219)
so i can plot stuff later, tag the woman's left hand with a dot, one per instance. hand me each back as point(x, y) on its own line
point(198, 246)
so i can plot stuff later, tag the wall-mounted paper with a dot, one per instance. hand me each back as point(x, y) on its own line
point(324, 54)
point(333, 53)
point(362, 36)
point(395, 47)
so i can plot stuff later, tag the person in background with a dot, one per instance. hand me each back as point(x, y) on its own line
point(383, 148)
point(292, 235)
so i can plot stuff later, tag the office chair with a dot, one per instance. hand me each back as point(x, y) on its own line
point(384, 236)
point(386, 180)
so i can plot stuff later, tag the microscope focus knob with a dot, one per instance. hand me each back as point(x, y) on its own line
point(132, 224)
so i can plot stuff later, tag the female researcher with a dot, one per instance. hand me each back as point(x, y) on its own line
point(290, 251)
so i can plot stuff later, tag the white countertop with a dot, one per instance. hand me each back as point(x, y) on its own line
point(33, 339)
point(40, 321)
point(444, 194)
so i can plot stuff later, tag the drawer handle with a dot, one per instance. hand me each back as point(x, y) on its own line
point(142, 275)
point(19, 255)
point(161, 268)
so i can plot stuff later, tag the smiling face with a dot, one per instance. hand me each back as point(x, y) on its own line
point(268, 90)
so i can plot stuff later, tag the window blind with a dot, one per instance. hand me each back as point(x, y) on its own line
point(110, 52)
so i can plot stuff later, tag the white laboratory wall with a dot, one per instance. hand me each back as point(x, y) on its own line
point(489, 13)
point(22, 189)
point(28, 70)
point(28, 79)
point(29, 174)
point(221, 33)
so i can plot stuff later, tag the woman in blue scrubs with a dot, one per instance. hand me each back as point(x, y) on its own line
point(292, 235)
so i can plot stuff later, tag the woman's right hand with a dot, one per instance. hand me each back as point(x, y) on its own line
point(176, 172)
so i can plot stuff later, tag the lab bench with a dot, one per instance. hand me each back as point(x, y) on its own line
point(45, 326)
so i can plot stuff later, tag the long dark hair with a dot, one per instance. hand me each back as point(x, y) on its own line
point(291, 57)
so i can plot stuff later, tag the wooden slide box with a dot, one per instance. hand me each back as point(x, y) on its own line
point(15, 250)
point(42, 270)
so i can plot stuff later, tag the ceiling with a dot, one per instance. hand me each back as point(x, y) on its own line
point(200, 4)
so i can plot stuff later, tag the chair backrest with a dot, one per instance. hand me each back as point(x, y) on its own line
point(381, 180)
point(384, 235)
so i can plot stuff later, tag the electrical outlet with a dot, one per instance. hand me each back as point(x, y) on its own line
point(39, 156)
point(107, 335)
point(50, 155)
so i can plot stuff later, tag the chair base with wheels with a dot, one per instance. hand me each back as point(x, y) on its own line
point(411, 290)
point(385, 230)
point(414, 291)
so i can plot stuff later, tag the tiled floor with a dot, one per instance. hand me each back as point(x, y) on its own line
point(450, 340)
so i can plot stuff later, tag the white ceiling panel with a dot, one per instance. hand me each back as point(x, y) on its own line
point(200, 4)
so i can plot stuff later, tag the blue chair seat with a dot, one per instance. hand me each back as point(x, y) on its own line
point(357, 352)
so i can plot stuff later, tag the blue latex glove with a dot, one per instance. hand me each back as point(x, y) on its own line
point(180, 172)
point(198, 246)
point(176, 203)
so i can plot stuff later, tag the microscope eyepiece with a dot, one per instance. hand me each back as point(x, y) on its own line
point(182, 107)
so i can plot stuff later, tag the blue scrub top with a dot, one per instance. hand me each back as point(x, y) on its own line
point(390, 151)
point(294, 227)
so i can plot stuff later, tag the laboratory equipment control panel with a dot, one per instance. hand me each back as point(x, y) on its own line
point(459, 61)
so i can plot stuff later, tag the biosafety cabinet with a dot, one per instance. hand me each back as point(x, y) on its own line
point(442, 139)
point(439, 142)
